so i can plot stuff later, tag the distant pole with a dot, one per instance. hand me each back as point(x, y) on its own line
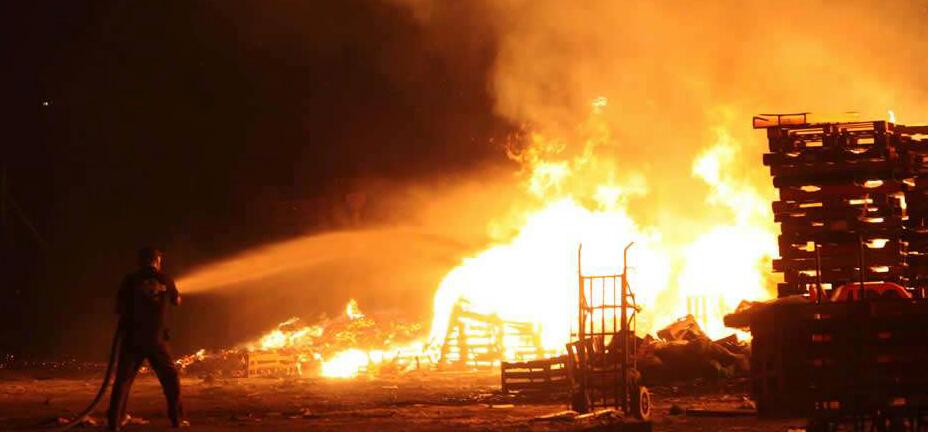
point(6, 199)
point(3, 203)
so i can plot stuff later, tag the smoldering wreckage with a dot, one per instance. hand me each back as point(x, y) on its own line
point(842, 345)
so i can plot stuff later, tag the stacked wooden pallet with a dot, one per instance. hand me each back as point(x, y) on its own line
point(833, 361)
point(913, 144)
point(852, 203)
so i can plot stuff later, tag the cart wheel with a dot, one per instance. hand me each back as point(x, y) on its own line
point(579, 402)
point(641, 403)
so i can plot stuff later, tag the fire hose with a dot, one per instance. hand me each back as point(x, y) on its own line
point(114, 351)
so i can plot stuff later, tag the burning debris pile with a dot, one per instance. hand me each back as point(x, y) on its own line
point(514, 300)
point(342, 347)
point(683, 352)
point(680, 352)
point(355, 344)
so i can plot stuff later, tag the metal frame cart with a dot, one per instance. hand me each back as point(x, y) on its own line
point(601, 360)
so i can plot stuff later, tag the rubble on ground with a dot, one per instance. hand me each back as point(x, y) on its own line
point(683, 352)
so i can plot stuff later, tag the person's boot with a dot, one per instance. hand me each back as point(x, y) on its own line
point(117, 426)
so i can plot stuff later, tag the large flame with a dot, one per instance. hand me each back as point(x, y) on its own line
point(581, 200)
point(702, 228)
point(587, 199)
point(577, 191)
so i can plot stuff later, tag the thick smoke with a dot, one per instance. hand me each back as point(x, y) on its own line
point(675, 72)
point(672, 82)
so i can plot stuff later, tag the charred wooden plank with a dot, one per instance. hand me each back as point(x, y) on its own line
point(822, 214)
point(837, 262)
point(825, 192)
point(900, 242)
point(782, 139)
point(910, 130)
point(810, 229)
point(806, 251)
point(836, 175)
point(858, 202)
point(878, 151)
point(845, 275)
point(832, 237)
point(829, 172)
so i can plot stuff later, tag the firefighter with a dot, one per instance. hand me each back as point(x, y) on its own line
point(142, 304)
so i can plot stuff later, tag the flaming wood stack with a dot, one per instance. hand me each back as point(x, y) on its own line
point(476, 340)
point(852, 202)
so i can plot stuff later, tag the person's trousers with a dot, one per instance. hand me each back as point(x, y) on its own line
point(130, 360)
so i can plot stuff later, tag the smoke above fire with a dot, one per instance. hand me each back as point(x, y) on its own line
point(639, 113)
point(635, 128)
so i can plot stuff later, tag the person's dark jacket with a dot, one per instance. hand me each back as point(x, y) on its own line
point(142, 304)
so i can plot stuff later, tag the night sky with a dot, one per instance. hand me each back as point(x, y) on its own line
point(186, 125)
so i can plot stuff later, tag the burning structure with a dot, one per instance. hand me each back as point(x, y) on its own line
point(516, 299)
point(477, 340)
point(844, 341)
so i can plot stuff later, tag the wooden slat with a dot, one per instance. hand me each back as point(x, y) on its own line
point(837, 236)
point(839, 261)
point(845, 275)
point(535, 375)
point(890, 248)
point(783, 139)
point(875, 168)
point(822, 155)
point(815, 214)
point(799, 177)
point(849, 202)
point(841, 191)
point(798, 228)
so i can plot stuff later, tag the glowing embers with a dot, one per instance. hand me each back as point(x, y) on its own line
point(341, 347)
point(289, 333)
point(348, 363)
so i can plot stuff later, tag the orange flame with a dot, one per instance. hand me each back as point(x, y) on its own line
point(587, 198)
point(532, 277)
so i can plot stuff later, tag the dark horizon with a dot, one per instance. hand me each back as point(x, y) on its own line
point(206, 128)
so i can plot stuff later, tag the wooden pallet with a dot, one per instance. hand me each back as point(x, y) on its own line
point(889, 248)
point(840, 276)
point(826, 135)
point(820, 191)
point(476, 341)
point(271, 363)
point(546, 375)
point(828, 359)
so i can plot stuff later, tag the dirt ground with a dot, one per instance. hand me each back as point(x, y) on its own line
point(418, 402)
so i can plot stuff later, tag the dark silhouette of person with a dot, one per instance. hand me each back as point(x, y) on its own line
point(142, 305)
